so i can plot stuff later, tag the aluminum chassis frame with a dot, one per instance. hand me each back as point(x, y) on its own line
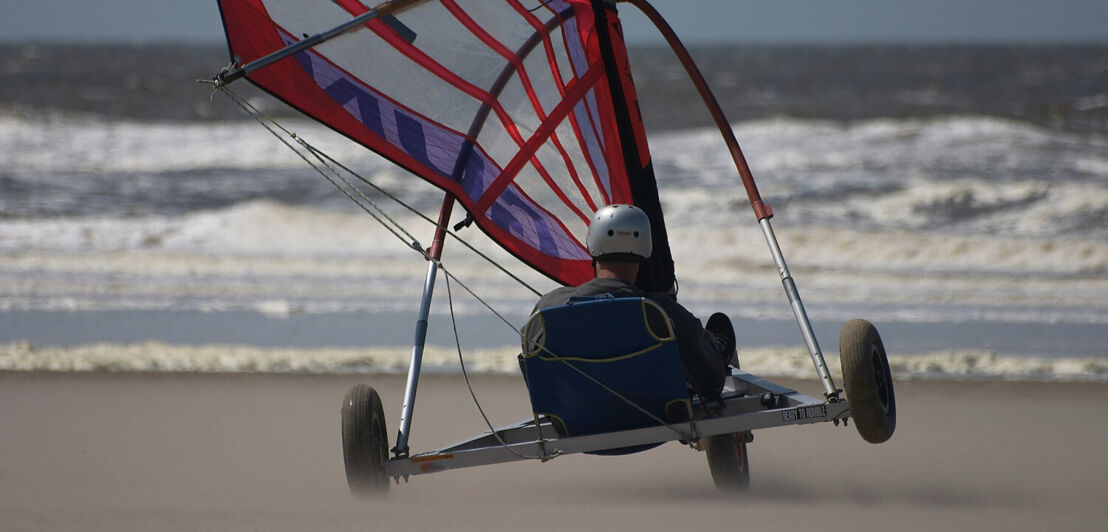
point(748, 403)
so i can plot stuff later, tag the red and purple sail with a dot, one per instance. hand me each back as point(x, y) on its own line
point(524, 110)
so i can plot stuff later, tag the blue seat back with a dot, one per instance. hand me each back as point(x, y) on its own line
point(627, 344)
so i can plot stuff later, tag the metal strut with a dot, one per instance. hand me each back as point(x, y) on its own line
point(762, 211)
point(798, 311)
point(433, 256)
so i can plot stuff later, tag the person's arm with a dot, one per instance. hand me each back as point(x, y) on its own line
point(705, 366)
point(555, 297)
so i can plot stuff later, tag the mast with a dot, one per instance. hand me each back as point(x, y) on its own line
point(656, 273)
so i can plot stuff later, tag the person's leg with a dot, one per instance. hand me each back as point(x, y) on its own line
point(724, 337)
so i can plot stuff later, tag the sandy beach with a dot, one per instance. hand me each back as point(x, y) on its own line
point(135, 451)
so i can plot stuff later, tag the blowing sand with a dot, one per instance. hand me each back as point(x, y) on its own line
point(127, 451)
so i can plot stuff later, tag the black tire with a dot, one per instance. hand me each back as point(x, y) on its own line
point(365, 443)
point(868, 381)
point(728, 461)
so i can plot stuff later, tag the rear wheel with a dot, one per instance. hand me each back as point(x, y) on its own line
point(728, 461)
point(364, 442)
point(868, 381)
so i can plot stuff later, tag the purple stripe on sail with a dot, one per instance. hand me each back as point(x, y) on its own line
point(586, 112)
point(477, 172)
point(440, 150)
point(592, 144)
point(436, 147)
point(580, 65)
point(535, 227)
point(410, 133)
point(359, 103)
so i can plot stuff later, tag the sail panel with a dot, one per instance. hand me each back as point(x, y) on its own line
point(509, 105)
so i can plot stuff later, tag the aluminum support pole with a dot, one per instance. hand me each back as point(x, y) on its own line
point(434, 254)
point(401, 448)
point(798, 310)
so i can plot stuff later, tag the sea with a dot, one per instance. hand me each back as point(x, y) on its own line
point(956, 196)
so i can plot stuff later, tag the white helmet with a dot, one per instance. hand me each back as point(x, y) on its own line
point(619, 232)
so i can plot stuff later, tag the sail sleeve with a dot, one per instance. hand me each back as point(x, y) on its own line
point(524, 110)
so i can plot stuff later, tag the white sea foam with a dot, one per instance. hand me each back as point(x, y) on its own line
point(155, 356)
point(781, 151)
point(266, 255)
point(779, 146)
point(937, 220)
point(274, 230)
point(67, 143)
point(765, 362)
point(952, 174)
point(956, 174)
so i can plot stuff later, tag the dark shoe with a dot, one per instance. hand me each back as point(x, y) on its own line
point(720, 325)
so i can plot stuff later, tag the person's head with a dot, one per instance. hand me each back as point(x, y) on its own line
point(619, 239)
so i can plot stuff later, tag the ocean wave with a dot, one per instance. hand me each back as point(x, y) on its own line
point(765, 362)
point(949, 146)
point(255, 228)
point(268, 229)
point(67, 143)
point(268, 255)
point(960, 174)
point(958, 217)
point(970, 144)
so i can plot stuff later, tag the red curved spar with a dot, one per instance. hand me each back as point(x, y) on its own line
point(761, 210)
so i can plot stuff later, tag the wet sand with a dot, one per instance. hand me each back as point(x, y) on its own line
point(127, 451)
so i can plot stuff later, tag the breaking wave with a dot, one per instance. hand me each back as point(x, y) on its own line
point(954, 174)
point(765, 362)
point(278, 258)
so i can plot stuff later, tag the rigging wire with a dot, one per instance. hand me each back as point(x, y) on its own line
point(348, 189)
point(465, 375)
point(270, 123)
point(461, 240)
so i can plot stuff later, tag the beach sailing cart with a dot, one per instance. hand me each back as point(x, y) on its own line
point(525, 114)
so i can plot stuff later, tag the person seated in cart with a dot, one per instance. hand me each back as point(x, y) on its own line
point(619, 239)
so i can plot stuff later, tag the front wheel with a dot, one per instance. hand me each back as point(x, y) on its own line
point(365, 443)
point(868, 381)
